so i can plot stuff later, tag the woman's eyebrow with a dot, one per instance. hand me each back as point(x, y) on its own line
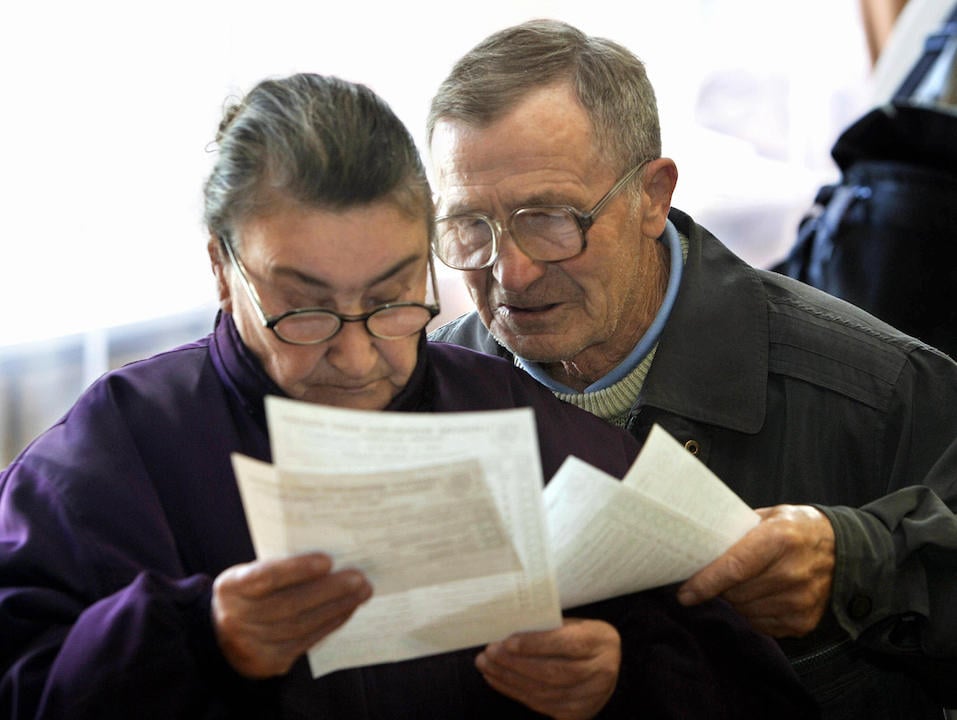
point(325, 284)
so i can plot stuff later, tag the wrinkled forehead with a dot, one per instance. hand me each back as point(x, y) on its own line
point(541, 152)
point(403, 205)
point(335, 243)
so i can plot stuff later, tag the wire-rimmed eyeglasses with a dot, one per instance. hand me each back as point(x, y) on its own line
point(313, 325)
point(547, 233)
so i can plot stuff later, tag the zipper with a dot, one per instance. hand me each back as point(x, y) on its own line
point(819, 655)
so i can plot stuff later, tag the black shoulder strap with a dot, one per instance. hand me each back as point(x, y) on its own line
point(933, 47)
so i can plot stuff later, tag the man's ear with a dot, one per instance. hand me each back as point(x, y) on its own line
point(657, 186)
point(217, 261)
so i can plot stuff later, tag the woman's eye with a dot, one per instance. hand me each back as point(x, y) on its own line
point(382, 300)
point(294, 300)
point(387, 296)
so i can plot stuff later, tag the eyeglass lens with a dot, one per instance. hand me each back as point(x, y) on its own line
point(550, 234)
point(387, 323)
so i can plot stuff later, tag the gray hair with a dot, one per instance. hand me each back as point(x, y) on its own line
point(318, 141)
point(610, 82)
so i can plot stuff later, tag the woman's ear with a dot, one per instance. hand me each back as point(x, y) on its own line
point(217, 261)
point(657, 185)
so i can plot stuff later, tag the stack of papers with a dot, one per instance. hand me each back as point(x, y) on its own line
point(446, 516)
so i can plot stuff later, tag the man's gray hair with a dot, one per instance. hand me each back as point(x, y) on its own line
point(318, 141)
point(610, 82)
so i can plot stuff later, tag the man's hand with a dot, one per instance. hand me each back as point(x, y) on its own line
point(268, 613)
point(567, 674)
point(778, 576)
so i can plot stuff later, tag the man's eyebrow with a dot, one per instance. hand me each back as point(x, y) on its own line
point(545, 198)
point(538, 199)
point(323, 284)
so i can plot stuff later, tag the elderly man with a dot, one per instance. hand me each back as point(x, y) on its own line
point(556, 203)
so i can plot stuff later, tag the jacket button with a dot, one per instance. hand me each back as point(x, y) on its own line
point(692, 446)
point(859, 607)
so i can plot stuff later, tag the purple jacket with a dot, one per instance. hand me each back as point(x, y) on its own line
point(114, 523)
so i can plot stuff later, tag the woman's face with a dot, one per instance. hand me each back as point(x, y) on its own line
point(350, 261)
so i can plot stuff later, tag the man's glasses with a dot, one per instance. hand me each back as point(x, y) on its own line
point(310, 326)
point(548, 233)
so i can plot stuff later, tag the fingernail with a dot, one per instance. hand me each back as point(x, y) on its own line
point(687, 597)
point(360, 586)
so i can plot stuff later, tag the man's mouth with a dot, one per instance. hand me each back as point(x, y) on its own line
point(520, 310)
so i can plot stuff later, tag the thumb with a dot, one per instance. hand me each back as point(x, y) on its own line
point(743, 561)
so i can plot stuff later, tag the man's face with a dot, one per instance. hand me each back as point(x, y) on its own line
point(349, 261)
point(585, 313)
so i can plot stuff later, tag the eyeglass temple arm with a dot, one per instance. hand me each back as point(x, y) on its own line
point(244, 279)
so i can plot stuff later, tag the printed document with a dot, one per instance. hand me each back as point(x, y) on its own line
point(666, 520)
point(443, 512)
point(446, 515)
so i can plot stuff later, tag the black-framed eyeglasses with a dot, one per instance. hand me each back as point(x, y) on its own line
point(548, 233)
point(313, 325)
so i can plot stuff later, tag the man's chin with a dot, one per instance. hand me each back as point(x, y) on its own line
point(535, 348)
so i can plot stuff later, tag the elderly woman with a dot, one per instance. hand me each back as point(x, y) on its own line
point(128, 582)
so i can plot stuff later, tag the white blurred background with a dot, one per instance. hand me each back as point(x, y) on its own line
point(108, 106)
point(107, 109)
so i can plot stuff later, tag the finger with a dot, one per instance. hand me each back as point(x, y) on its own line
point(796, 588)
point(577, 638)
point(504, 673)
point(781, 626)
point(746, 559)
point(300, 601)
point(311, 616)
point(567, 656)
point(289, 602)
point(265, 577)
point(558, 689)
point(752, 593)
point(803, 564)
point(522, 671)
point(258, 641)
point(774, 606)
point(554, 701)
point(538, 696)
point(530, 696)
point(799, 610)
point(783, 578)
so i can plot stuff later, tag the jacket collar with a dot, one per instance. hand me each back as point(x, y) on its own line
point(240, 370)
point(711, 364)
point(712, 360)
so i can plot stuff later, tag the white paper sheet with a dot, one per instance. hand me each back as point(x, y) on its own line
point(455, 549)
point(446, 516)
point(669, 518)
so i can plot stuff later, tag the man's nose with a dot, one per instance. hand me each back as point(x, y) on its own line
point(513, 269)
